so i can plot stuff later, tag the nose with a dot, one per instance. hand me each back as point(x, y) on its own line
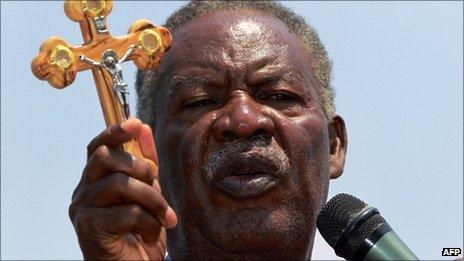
point(243, 118)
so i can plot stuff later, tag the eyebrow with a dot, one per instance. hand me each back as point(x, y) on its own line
point(179, 82)
point(269, 73)
point(189, 82)
point(282, 74)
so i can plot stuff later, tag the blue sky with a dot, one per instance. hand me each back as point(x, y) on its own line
point(398, 73)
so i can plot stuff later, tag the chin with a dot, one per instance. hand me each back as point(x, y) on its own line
point(253, 231)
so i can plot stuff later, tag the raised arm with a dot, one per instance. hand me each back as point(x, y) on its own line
point(128, 53)
point(89, 61)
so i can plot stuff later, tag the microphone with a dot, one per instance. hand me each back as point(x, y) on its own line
point(357, 231)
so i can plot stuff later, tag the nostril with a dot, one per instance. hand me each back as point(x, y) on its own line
point(229, 136)
point(261, 133)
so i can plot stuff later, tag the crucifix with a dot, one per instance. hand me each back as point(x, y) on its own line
point(58, 62)
point(112, 64)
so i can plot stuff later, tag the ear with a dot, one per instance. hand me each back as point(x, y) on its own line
point(338, 144)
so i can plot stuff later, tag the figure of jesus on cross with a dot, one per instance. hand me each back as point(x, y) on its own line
point(112, 64)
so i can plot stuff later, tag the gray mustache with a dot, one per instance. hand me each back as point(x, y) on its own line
point(238, 151)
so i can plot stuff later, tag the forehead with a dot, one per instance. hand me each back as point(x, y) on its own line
point(236, 38)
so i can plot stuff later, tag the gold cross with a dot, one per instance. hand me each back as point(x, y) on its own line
point(58, 62)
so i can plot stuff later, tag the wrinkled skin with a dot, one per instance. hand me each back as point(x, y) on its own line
point(236, 100)
point(234, 75)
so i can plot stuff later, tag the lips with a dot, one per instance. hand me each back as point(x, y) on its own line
point(247, 185)
point(249, 174)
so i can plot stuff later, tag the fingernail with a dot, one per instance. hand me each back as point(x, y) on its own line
point(170, 218)
point(125, 124)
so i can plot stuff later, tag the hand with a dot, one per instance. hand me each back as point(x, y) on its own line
point(117, 209)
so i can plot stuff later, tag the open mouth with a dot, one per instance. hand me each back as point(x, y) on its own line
point(248, 174)
point(246, 185)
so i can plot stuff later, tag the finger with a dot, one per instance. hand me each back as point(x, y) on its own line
point(118, 221)
point(115, 135)
point(105, 161)
point(147, 143)
point(120, 188)
point(148, 148)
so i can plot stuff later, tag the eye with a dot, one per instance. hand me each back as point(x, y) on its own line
point(200, 102)
point(280, 96)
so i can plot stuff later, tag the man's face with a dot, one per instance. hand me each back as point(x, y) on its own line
point(109, 61)
point(242, 139)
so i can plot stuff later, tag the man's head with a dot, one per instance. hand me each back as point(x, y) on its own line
point(109, 58)
point(245, 129)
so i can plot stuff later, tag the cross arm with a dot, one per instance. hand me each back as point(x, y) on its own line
point(58, 62)
point(129, 52)
point(89, 61)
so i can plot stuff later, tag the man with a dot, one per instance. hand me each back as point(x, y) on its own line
point(246, 136)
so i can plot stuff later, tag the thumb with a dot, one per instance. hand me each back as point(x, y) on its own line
point(147, 143)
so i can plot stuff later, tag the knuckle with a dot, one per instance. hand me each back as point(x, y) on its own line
point(72, 209)
point(143, 168)
point(147, 168)
point(118, 181)
point(135, 211)
point(85, 172)
point(139, 215)
point(76, 191)
point(97, 161)
point(101, 157)
point(76, 202)
point(119, 177)
point(89, 149)
point(91, 145)
point(83, 222)
point(101, 153)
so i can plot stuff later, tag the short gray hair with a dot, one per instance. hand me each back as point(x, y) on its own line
point(145, 82)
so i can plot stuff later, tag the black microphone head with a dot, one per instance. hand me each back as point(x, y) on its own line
point(335, 216)
point(345, 222)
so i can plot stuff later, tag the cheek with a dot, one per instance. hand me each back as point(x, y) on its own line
point(183, 156)
point(306, 141)
point(305, 138)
